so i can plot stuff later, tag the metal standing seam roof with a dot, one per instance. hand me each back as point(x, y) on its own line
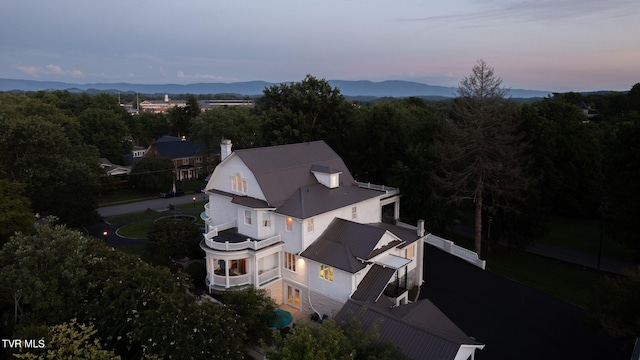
point(282, 170)
point(373, 284)
point(420, 329)
point(343, 244)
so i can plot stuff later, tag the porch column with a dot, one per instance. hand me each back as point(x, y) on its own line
point(226, 273)
point(396, 210)
point(256, 280)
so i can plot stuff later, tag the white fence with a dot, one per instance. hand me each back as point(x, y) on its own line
point(455, 250)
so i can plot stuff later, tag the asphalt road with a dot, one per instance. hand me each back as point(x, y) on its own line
point(514, 321)
point(158, 204)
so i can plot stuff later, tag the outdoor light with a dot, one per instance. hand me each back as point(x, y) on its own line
point(194, 201)
point(104, 235)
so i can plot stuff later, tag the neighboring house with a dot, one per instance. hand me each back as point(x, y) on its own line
point(188, 158)
point(113, 169)
point(291, 219)
point(138, 151)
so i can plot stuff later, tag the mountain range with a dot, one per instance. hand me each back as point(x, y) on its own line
point(362, 88)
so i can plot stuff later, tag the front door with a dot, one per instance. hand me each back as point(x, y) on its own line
point(293, 296)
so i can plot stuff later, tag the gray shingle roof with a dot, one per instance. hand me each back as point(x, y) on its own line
point(312, 200)
point(343, 242)
point(420, 329)
point(282, 170)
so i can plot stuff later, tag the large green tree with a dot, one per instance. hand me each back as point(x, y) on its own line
point(480, 153)
point(331, 340)
point(15, 210)
point(107, 131)
point(152, 174)
point(173, 238)
point(61, 175)
point(43, 275)
point(304, 111)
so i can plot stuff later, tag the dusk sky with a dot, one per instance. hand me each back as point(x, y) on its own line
point(554, 45)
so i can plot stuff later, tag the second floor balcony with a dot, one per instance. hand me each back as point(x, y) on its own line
point(225, 237)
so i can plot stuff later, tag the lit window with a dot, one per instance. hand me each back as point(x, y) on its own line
point(354, 212)
point(247, 217)
point(290, 261)
point(408, 252)
point(326, 272)
point(239, 184)
point(289, 224)
point(266, 219)
point(310, 225)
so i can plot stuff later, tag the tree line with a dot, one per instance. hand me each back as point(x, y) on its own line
point(537, 159)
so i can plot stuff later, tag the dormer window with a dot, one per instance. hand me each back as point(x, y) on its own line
point(238, 184)
point(326, 176)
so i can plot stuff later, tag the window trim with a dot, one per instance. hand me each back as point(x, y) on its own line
point(266, 219)
point(326, 272)
point(248, 217)
point(290, 261)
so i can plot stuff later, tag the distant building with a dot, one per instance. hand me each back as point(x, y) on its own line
point(188, 157)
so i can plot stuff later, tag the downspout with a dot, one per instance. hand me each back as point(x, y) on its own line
point(309, 292)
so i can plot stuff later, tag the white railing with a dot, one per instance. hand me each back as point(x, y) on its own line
point(235, 246)
point(455, 250)
point(221, 280)
point(388, 189)
point(267, 275)
point(239, 280)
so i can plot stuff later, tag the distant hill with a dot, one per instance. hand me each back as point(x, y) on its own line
point(391, 88)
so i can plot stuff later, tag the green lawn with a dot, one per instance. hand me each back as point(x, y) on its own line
point(584, 235)
point(570, 283)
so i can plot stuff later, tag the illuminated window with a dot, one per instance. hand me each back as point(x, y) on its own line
point(247, 217)
point(310, 225)
point(408, 252)
point(239, 184)
point(326, 272)
point(266, 219)
point(289, 224)
point(290, 261)
point(354, 212)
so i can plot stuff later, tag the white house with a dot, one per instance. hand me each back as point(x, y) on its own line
point(291, 219)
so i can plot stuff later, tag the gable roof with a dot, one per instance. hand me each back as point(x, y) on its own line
point(346, 244)
point(420, 329)
point(282, 170)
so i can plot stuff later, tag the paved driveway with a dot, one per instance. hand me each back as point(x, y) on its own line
point(514, 321)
